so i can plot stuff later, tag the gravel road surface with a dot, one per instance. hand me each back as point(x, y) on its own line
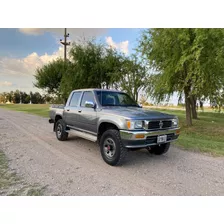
point(75, 167)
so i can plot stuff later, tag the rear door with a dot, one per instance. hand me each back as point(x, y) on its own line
point(87, 117)
point(71, 110)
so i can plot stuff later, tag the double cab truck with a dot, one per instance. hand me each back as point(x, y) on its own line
point(115, 121)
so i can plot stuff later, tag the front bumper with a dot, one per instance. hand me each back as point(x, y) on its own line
point(143, 139)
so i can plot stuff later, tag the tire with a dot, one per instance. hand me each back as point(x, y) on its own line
point(60, 130)
point(159, 149)
point(111, 147)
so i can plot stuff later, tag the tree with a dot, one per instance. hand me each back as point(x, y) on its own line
point(217, 100)
point(2, 98)
point(113, 62)
point(16, 98)
point(49, 76)
point(133, 76)
point(10, 96)
point(187, 61)
point(47, 98)
point(93, 65)
point(24, 97)
point(37, 98)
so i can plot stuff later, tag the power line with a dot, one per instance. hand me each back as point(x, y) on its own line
point(65, 43)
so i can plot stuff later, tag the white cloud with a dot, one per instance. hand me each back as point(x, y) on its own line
point(27, 65)
point(5, 83)
point(59, 32)
point(122, 46)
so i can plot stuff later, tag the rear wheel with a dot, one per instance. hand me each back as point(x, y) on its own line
point(111, 147)
point(159, 149)
point(60, 129)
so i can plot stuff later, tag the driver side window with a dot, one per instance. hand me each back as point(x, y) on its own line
point(87, 96)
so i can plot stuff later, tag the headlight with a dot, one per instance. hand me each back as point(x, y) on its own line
point(135, 124)
point(175, 122)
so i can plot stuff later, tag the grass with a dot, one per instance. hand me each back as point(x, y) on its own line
point(12, 185)
point(206, 134)
point(6, 178)
point(37, 109)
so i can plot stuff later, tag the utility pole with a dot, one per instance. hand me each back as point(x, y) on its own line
point(65, 43)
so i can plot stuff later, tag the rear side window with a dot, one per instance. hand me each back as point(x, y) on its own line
point(75, 99)
point(87, 96)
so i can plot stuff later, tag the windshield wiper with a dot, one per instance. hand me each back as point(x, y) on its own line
point(108, 105)
point(129, 105)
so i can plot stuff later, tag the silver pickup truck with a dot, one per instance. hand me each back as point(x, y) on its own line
point(115, 121)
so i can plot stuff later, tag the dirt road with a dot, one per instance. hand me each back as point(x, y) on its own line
point(75, 167)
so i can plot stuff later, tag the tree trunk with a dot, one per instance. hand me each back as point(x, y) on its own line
point(188, 108)
point(136, 96)
point(193, 107)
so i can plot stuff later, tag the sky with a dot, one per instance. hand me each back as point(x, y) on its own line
point(23, 50)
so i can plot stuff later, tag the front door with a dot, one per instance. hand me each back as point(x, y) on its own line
point(87, 117)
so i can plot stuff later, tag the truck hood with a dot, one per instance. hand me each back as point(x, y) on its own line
point(136, 113)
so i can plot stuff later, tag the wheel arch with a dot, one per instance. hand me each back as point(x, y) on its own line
point(57, 117)
point(104, 126)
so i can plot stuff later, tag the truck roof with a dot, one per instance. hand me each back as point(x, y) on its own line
point(97, 89)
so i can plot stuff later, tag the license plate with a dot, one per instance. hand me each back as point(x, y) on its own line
point(161, 138)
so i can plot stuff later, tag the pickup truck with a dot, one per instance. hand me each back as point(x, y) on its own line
point(115, 121)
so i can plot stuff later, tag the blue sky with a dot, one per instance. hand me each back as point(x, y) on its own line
point(16, 44)
point(13, 43)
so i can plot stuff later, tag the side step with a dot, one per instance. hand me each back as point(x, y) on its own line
point(84, 135)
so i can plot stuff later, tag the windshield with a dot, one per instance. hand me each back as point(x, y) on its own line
point(107, 98)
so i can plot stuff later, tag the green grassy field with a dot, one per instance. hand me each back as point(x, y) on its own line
point(206, 134)
point(38, 109)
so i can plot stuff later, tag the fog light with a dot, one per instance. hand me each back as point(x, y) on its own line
point(139, 136)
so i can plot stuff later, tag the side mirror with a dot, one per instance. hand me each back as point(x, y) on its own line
point(89, 104)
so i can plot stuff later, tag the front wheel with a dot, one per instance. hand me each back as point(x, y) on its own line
point(111, 147)
point(159, 149)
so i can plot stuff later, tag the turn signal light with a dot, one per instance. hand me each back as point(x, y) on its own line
point(129, 124)
point(178, 132)
point(139, 136)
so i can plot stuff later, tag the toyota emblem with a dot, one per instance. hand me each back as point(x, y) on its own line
point(160, 124)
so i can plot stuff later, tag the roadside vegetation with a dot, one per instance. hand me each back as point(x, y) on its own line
point(37, 109)
point(12, 185)
point(206, 134)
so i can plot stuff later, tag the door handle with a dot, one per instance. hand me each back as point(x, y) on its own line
point(79, 111)
point(68, 110)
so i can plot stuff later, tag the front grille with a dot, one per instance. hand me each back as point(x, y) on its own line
point(159, 124)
